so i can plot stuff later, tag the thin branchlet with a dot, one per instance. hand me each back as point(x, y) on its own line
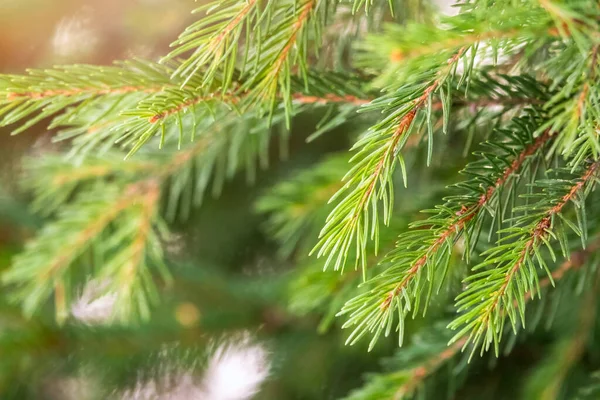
point(13, 96)
point(300, 22)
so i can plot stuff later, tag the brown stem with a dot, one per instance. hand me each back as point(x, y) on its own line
point(232, 24)
point(302, 18)
point(75, 92)
point(330, 98)
point(188, 103)
point(398, 55)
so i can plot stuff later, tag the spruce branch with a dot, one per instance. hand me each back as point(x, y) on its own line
point(355, 218)
point(43, 93)
point(404, 382)
point(577, 260)
point(117, 214)
point(176, 111)
point(132, 102)
point(467, 213)
point(491, 294)
point(180, 179)
point(421, 259)
point(194, 123)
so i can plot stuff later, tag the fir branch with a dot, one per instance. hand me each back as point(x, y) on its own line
point(491, 294)
point(174, 111)
point(370, 180)
point(466, 214)
point(253, 56)
point(44, 93)
point(403, 382)
point(430, 366)
point(131, 102)
point(375, 168)
point(132, 219)
point(232, 99)
point(188, 103)
point(180, 110)
point(93, 91)
point(298, 24)
point(422, 256)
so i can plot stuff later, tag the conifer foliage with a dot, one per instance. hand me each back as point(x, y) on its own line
point(506, 92)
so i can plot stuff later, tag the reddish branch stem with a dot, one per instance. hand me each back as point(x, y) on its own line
point(302, 18)
point(299, 97)
point(333, 98)
point(188, 103)
point(398, 55)
point(330, 98)
point(232, 24)
point(74, 92)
